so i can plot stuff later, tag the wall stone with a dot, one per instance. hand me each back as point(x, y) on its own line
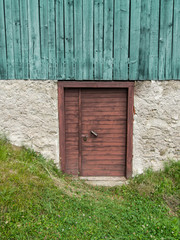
point(156, 135)
point(29, 115)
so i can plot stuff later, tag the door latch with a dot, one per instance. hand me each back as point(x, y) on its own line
point(94, 133)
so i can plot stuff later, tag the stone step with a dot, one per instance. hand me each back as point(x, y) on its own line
point(105, 181)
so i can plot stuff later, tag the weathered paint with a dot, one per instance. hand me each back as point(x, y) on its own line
point(121, 32)
point(176, 41)
point(108, 39)
point(44, 39)
point(34, 40)
point(90, 40)
point(98, 39)
point(78, 27)
point(165, 43)
point(9, 40)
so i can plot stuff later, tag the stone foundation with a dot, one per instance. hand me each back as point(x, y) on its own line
point(156, 130)
point(29, 116)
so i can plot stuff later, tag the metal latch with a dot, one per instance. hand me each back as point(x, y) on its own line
point(95, 134)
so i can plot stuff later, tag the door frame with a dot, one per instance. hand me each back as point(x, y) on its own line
point(91, 84)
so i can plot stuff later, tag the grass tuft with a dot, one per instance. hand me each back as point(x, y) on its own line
point(37, 201)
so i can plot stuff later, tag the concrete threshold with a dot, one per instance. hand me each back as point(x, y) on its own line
point(105, 181)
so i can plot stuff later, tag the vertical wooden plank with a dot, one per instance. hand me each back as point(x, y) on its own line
point(165, 45)
point(9, 39)
point(24, 39)
point(60, 39)
point(108, 39)
point(98, 39)
point(176, 41)
point(87, 40)
point(44, 38)
point(154, 39)
point(117, 45)
point(17, 39)
point(129, 149)
point(62, 154)
point(144, 40)
point(78, 39)
point(52, 41)
point(69, 38)
point(124, 39)
point(80, 133)
point(134, 39)
point(121, 39)
point(3, 57)
point(34, 39)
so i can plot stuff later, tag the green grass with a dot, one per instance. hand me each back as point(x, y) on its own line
point(38, 202)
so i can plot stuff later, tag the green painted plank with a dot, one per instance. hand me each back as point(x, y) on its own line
point(52, 40)
point(165, 45)
point(98, 39)
point(117, 41)
point(60, 39)
point(121, 33)
point(87, 40)
point(17, 39)
point(9, 39)
point(154, 38)
point(134, 40)
point(83, 34)
point(44, 39)
point(176, 41)
point(108, 39)
point(124, 39)
point(78, 39)
point(144, 46)
point(3, 57)
point(24, 38)
point(34, 39)
point(69, 39)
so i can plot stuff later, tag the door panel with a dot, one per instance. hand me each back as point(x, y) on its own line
point(71, 105)
point(103, 111)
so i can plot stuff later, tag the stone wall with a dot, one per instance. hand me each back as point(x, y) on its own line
point(29, 116)
point(156, 135)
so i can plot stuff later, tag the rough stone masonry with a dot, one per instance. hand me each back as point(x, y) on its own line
point(29, 117)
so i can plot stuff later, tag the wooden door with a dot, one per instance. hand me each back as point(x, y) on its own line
point(103, 127)
point(96, 131)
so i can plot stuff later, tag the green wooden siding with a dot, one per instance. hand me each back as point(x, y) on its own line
point(90, 39)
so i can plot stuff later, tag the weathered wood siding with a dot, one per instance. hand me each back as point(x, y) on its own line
point(90, 39)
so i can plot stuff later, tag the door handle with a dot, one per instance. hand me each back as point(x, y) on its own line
point(94, 133)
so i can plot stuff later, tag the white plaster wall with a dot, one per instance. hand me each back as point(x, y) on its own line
point(156, 135)
point(29, 115)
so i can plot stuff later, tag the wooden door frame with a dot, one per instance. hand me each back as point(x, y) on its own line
point(92, 84)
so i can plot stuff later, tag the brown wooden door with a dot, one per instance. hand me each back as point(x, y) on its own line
point(104, 112)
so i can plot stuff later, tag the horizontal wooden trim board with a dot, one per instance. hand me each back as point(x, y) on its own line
point(106, 162)
point(100, 118)
point(105, 158)
point(97, 119)
point(116, 142)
